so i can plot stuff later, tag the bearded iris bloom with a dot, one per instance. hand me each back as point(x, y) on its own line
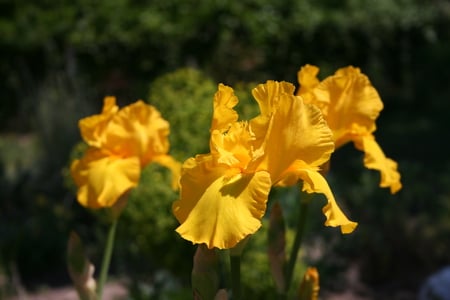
point(224, 193)
point(121, 143)
point(350, 104)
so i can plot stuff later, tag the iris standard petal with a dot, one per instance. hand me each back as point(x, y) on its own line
point(267, 95)
point(375, 159)
point(297, 132)
point(307, 77)
point(348, 98)
point(102, 178)
point(216, 209)
point(224, 114)
point(138, 130)
point(173, 165)
point(92, 128)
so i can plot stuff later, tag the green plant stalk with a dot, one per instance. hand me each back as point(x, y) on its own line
point(235, 265)
point(107, 257)
point(301, 222)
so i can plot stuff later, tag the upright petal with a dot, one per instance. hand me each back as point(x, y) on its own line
point(374, 158)
point(348, 98)
point(224, 114)
point(307, 77)
point(216, 209)
point(92, 128)
point(267, 95)
point(297, 132)
point(138, 130)
point(102, 178)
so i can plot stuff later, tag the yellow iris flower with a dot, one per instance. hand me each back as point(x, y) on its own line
point(350, 105)
point(224, 193)
point(121, 142)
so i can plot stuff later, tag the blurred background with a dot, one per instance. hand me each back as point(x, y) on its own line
point(60, 58)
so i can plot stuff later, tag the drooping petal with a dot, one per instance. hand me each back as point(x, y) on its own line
point(224, 114)
point(216, 209)
point(314, 182)
point(92, 128)
point(173, 165)
point(375, 159)
point(102, 178)
point(297, 131)
point(138, 130)
point(345, 99)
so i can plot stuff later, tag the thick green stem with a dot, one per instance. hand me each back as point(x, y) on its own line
point(301, 222)
point(107, 258)
point(235, 265)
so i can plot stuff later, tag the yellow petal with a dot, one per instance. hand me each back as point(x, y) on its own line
point(138, 130)
point(347, 99)
point(296, 131)
point(92, 128)
point(102, 179)
point(232, 147)
point(267, 95)
point(314, 182)
point(173, 165)
point(307, 77)
point(224, 114)
point(218, 210)
point(374, 158)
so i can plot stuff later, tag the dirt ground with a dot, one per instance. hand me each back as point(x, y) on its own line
point(112, 291)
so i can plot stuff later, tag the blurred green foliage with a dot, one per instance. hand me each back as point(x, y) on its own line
point(58, 60)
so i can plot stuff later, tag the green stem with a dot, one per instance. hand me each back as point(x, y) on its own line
point(235, 264)
point(106, 258)
point(301, 222)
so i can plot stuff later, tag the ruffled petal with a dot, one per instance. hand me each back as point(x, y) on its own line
point(92, 128)
point(307, 77)
point(297, 131)
point(314, 182)
point(102, 179)
point(375, 159)
point(138, 130)
point(348, 98)
point(216, 209)
point(267, 95)
point(224, 114)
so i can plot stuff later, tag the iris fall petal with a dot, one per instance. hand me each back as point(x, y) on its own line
point(102, 178)
point(375, 159)
point(218, 210)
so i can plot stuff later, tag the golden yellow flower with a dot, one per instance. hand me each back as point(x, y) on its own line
point(224, 193)
point(121, 142)
point(350, 105)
